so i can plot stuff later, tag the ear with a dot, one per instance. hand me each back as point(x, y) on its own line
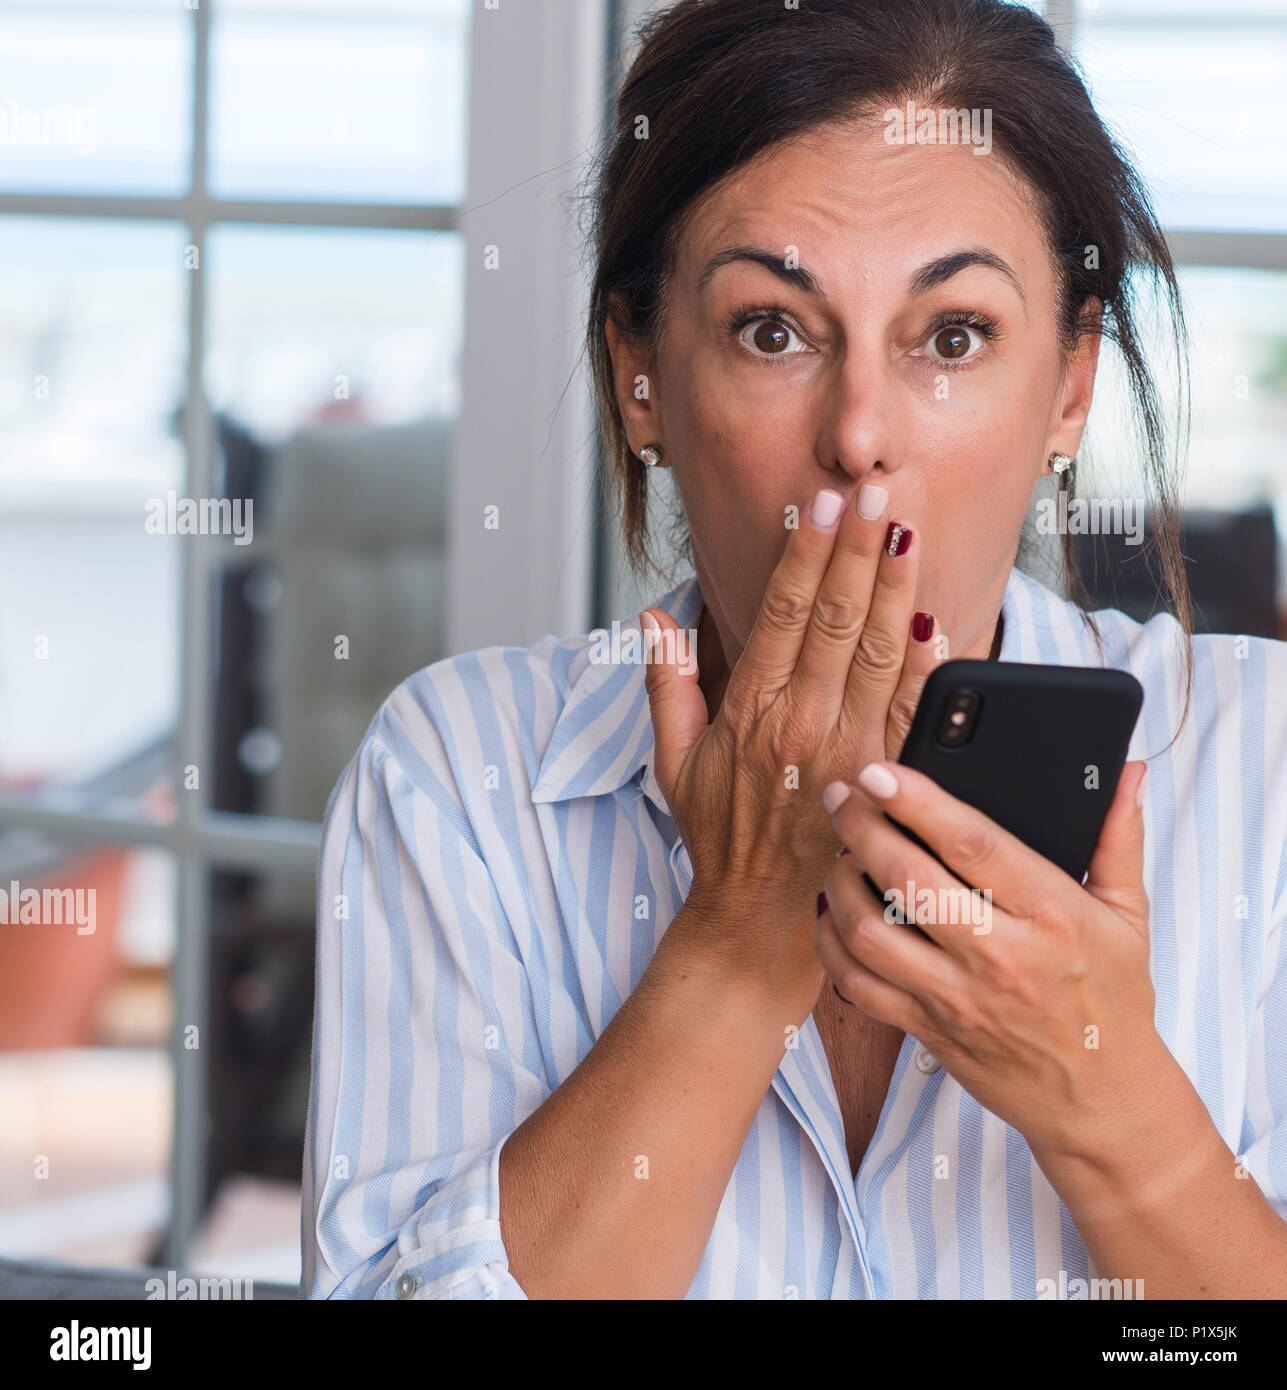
point(634, 380)
point(1079, 383)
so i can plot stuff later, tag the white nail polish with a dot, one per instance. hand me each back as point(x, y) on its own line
point(872, 501)
point(826, 509)
point(878, 781)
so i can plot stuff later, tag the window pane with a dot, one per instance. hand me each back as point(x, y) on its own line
point(263, 931)
point(86, 1085)
point(1200, 106)
point(97, 97)
point(91, 372)
point(308, 325)
point(333, 372)
point(1238, 323)
point(348, 102)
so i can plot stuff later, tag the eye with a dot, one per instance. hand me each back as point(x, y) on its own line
point(956, 342)
point(767, 335)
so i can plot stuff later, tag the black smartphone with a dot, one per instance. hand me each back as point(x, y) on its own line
point(1037, 749)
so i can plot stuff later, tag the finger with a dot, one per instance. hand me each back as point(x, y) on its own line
point(881, 649)
point(843, 601)
point(1116, 873)
point(974, 847)
point(773, 648)
point(862, 987)
point(934, 903)
point(675, 699)
point(925, 651)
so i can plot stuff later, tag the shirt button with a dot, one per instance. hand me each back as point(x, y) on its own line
point(407, 1285)
point(926, 1061)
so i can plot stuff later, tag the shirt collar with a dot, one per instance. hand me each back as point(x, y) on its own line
point(603, 737)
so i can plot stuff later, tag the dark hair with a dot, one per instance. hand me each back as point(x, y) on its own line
point(720, 81)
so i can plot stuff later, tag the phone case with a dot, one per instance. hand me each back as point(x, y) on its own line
point(1047, 751)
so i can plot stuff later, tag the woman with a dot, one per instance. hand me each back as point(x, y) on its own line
point(602, 1009)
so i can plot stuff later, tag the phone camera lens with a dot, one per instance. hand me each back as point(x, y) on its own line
point(959, 719)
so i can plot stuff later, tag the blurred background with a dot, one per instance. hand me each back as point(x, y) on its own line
point(244, 254)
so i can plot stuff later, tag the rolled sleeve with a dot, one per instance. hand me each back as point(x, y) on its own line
point(424, 1052)
point(455, 1248)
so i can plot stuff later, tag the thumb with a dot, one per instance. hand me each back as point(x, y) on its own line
point(1116, 874)
point(675, 699)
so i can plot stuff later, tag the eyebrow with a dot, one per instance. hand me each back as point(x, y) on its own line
point(799, 277)
point(928, 277)
point(939, 271)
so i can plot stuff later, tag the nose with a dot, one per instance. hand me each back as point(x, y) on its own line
point(858, 433)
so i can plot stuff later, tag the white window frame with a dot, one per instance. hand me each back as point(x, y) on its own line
point(536, 102)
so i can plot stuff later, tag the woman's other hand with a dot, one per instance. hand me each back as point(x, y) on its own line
point(1039, 999)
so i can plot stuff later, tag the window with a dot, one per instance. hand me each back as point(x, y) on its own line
point(242, 283)
point(1193, 93)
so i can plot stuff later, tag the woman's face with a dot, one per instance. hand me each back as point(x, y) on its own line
point(915, 347)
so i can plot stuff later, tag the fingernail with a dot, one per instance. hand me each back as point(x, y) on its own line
point(834, 795)
point(872, 500)
point(822, 903)
point(648, 623)
point(923, 626)
point(878, 781)
point(1139, 791)
point(898, 538)
point(826, 509)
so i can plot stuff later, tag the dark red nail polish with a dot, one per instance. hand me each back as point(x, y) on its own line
point(822, 903)
point(898, 538)
point(923, 626)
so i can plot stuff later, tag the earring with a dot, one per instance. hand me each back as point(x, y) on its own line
point(651, 454)
point(1060, 463)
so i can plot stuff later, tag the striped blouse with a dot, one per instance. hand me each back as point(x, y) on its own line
point(484, 860)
